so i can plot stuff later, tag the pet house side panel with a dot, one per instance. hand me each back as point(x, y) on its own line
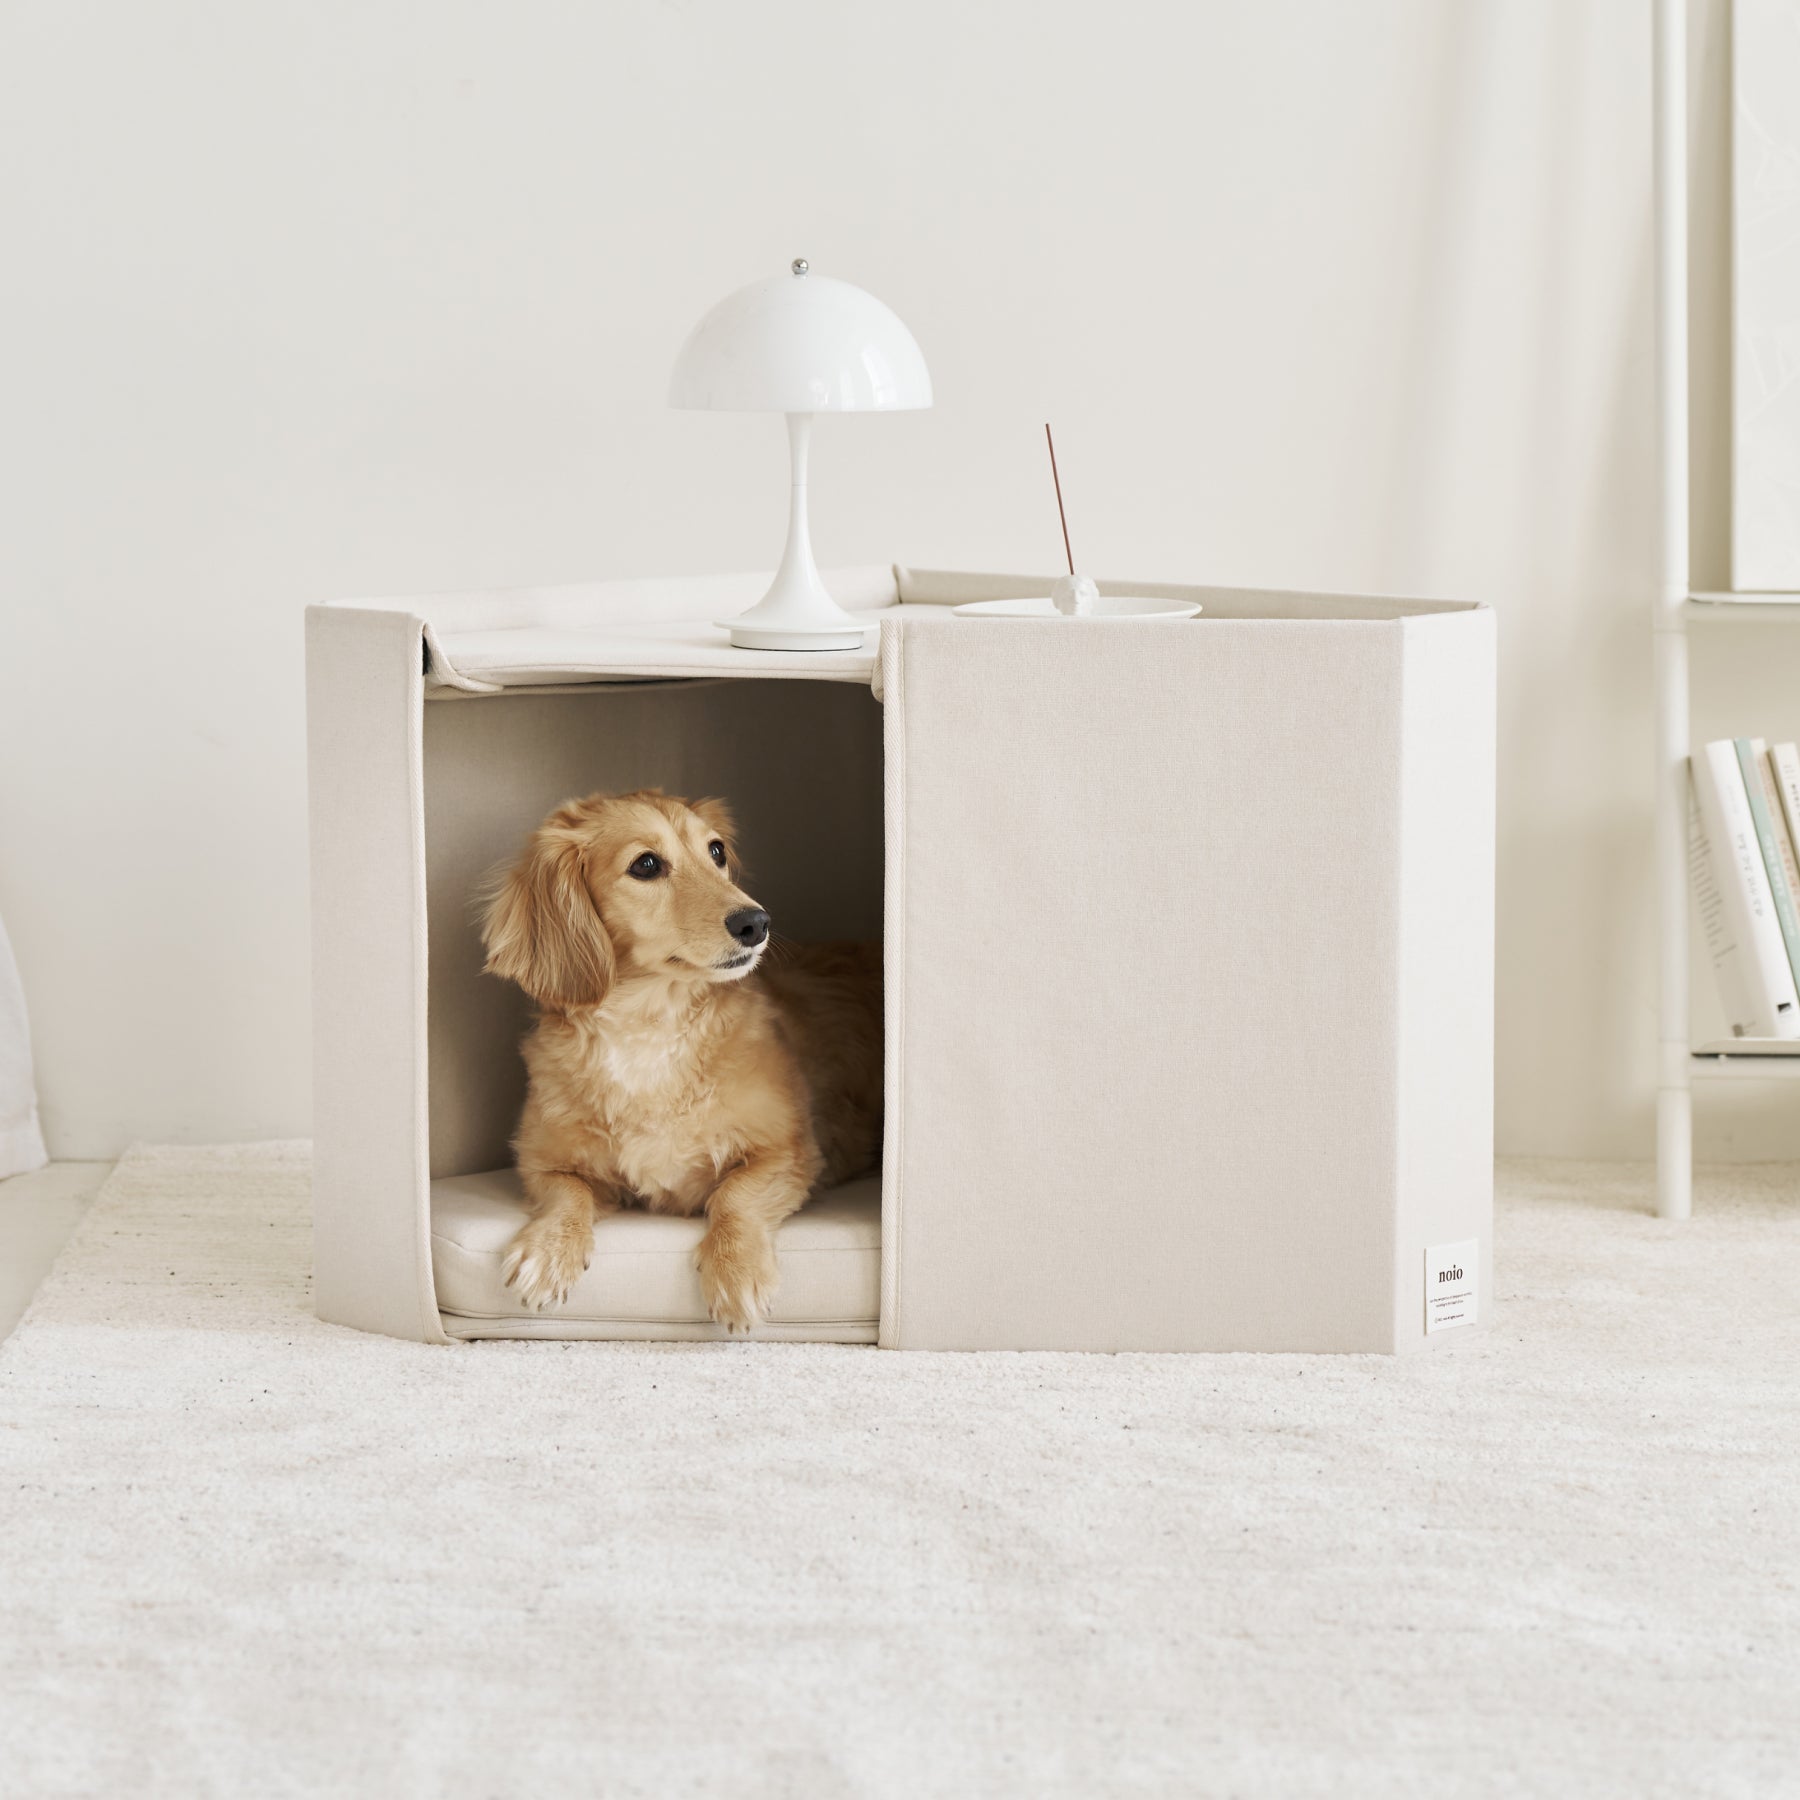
point(1143, 931)
point(1446, 1038)
point(371, 1225)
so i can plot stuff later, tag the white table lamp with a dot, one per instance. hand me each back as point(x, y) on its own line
point(799, 344)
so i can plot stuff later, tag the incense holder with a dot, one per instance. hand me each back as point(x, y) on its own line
point(1075, 596)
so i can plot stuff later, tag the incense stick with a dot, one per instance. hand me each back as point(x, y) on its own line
point(1070, 554)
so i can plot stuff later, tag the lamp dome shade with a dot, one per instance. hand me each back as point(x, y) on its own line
point(800, 343)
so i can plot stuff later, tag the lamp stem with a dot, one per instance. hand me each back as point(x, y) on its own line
point(797, 565)
point(798, 612)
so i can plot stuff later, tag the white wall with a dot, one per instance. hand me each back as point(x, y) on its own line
point(318, 299)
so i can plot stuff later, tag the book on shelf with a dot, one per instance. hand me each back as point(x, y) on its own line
point(1781, 823)
point(1738, 870)
point(1784, 759)
point(1772, 839)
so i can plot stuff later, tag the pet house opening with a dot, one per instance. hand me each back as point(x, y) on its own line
point(800, 764)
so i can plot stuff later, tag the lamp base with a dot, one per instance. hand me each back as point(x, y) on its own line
point(746, 636)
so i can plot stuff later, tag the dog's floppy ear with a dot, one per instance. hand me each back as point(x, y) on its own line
point(718, 818)
point(543, 929)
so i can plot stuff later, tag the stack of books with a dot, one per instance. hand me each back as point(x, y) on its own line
point(1744, 826)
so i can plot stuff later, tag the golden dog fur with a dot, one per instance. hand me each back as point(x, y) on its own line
point(669, 1067)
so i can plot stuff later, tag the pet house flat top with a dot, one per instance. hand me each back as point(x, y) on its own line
point(668, 628)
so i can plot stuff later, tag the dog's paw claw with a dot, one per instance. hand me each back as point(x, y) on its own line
point(737, 1278)
point(741, 1310)
point(543, 1270)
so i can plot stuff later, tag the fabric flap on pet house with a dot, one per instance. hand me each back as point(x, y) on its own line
point(627, 631)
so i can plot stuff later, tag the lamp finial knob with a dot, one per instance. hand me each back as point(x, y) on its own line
point(801, 265)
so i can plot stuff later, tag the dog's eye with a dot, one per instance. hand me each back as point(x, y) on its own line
point(647, 867)
point(717, 851)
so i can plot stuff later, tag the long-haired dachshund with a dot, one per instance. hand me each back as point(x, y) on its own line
point(677, 1062)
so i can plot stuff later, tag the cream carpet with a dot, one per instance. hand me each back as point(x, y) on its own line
point(246, 1554)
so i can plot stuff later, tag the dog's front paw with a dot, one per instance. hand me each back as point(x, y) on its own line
point(545, 1260)
point(737, 1276)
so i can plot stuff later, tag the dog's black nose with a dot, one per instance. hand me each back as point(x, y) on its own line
point(749, 925)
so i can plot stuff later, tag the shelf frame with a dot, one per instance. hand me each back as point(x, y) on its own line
point(1671, 610)
point(1743, 1066)
point(1741, 609)
point(1677, 608)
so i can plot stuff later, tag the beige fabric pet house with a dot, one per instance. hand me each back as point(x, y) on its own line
point(1188, 935)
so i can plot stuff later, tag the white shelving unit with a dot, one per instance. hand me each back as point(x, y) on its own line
point(1679, 609)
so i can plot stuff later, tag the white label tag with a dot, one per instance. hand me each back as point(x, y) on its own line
point(1450, 1286)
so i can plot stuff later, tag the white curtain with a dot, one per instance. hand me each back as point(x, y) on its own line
point(21, 1143)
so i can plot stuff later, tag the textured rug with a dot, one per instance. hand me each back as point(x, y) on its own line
point(244, 1553)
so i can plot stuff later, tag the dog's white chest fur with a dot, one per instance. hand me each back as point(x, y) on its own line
point(641, 1059)
point(666, 1135)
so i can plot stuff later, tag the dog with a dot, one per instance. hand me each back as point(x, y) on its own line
point(681, 1060)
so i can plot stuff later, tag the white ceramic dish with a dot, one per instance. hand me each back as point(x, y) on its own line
point(1112, 606)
